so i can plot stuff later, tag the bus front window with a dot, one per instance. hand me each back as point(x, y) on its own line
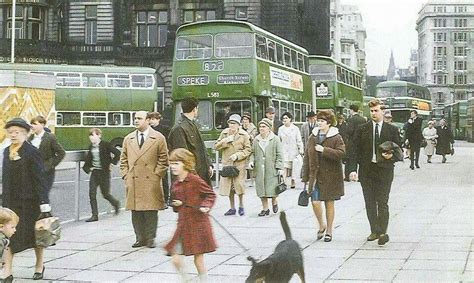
point(322, 72)
point(234, 45)
point(204, 119)
point(224, 109)
point(194, 47)
point(391, 92)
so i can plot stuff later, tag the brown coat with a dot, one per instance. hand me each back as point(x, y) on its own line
point(325, 168)
point(142, 170)
point(194, 227)
point(241, 147)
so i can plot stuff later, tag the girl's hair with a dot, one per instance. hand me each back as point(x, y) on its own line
point(287, 114)
point(328, 116)
point(8, 215)
point(185, 156)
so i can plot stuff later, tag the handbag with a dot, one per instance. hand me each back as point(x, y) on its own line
point(47, 231)
point(281, 187)
point(303, 198)
point(229, 171)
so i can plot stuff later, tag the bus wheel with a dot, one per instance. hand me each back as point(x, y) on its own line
point(117, 143)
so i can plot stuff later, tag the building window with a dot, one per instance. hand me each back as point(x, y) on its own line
point(439, 51)
point(460, 9)
point(460, 79)
point(29, 22)
point(460, 23)
point(440, 9)
point(460, 36)
point(459, 51)
point(439, 36)
point(91, 24)
point(460, 65)
point(440, 23)
point(199, 15)
point(152, 28)
point(241, 13)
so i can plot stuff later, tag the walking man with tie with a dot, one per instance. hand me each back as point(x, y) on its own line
point(143, 163)
point(308, 127)
point(375, 176)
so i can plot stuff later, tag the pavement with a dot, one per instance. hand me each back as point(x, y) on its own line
point(431, 236)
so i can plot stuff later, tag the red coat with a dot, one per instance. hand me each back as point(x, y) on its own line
point(194, 227)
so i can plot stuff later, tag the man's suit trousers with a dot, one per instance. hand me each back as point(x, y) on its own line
point(145, 224)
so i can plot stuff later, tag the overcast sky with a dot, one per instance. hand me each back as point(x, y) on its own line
point(390, 24)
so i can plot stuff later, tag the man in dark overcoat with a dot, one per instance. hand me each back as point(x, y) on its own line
point(375, 177)
point(185, 134)
point(353, 122)
point(414, 136)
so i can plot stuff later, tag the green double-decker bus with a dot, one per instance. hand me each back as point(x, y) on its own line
point(103, 97)
point(335, 85)
point(401, 97)
point(238, 65)
point(456, 116)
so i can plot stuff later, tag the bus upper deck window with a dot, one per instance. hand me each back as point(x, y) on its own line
point(119, 81)
point(271, 51)
point(233, 45)
point(194, 47)
point(142, 81)
point(93, 80)
point(279, 53)
point(294, 60)
point(68, 80)
point(261, 47)
point(300, 62)
point(286, 53)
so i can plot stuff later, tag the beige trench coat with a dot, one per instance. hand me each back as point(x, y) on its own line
point(240, 146)
point(142, 170)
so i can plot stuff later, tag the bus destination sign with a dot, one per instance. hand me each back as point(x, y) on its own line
point(213, 66)
point(233, 79)
point(193, 80)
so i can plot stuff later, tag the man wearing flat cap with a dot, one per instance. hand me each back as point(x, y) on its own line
point(270, 114)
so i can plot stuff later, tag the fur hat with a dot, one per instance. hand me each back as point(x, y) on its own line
point(270, 110)
point(267, 122)
point(234, 118)
point(19, 123)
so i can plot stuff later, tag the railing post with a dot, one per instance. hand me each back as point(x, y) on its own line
point(216, 166)
point(77, 188)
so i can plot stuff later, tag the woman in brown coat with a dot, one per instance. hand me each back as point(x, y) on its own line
point(322, 167)
point(192, 198)
point(234, 143)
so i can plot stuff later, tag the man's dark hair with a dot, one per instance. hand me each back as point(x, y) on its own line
point(188, 104)
point(354, 107)
point(414, 111)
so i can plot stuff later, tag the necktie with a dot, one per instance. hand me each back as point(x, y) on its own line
point(376, 137)
point(142, 140)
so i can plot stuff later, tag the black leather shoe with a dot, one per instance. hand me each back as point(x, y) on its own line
point(275, 208)
point(138, 244)
point(117, 208)
point(8, 279)
point(150, 244)
point(383, 239)
point(417, 166)
point(372, 237)
point(38, 275)
point(264, 212)
point(92, 219)
point(412, 167)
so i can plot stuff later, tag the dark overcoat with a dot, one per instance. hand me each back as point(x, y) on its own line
point(414, 131)
point(444, 141)
point(24, 188)
point(325, 169)
point(185, 134)
point(51, 151)
point(194, 227)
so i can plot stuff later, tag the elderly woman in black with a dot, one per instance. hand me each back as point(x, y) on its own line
point(25, 192)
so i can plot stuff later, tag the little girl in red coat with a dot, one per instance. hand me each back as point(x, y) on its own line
point(192, 198)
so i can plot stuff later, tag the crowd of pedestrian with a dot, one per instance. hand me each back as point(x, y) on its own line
point(326, 151)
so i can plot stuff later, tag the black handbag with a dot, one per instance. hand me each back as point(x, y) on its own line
point(230, 171)
point(281, 187)
point(303, 199)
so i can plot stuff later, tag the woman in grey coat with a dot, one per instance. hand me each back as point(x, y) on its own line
point(267, 161)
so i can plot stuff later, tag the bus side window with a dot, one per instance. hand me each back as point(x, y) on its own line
point(300, 62)
point(294, 60)
point(261, 46)
point(287, 56)
point(279, 54)
point(271, 51)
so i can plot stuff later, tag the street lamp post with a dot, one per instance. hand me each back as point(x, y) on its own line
point(12, 60)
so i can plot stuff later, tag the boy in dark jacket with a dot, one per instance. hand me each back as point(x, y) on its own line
point(98, 163)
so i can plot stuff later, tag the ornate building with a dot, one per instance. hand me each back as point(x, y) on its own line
point(133, 32)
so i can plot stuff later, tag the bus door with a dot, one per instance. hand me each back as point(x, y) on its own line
point(261, 103)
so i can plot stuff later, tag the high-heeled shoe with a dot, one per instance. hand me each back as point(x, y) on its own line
point(8, 279)
point(264, 212)
point(38, 275)
point(275, 208)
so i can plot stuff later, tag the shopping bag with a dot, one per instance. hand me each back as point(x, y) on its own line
point(47, 231)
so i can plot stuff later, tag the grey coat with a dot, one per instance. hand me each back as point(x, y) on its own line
point(266, 165)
